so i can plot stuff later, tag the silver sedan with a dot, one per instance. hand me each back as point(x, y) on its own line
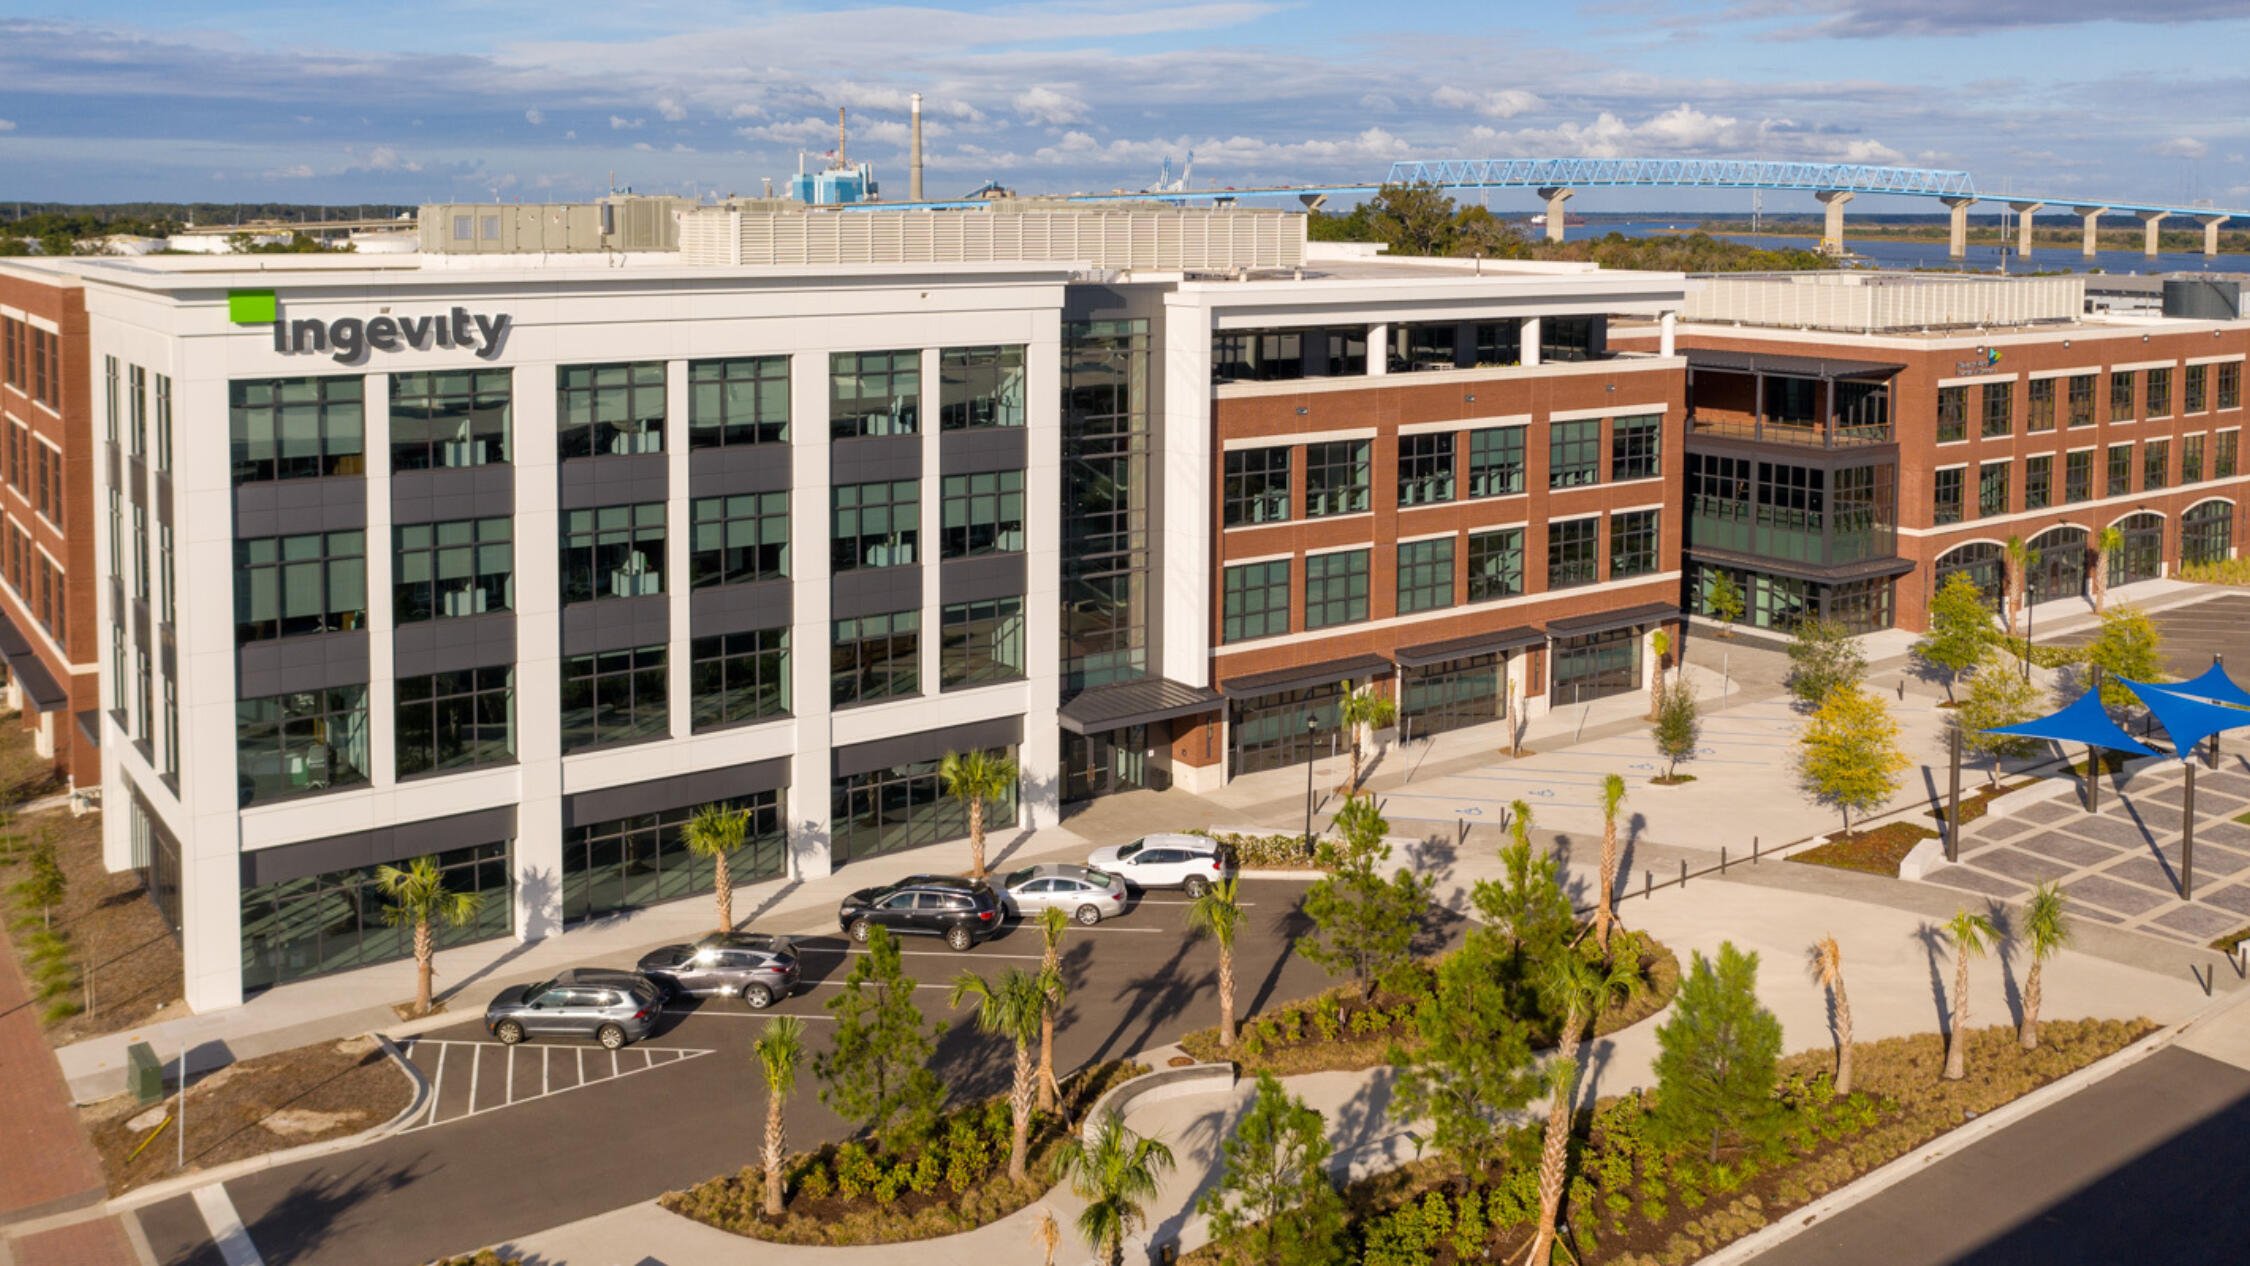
point(1086, 894)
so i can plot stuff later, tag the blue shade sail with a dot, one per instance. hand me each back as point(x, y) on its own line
point(2188, 721)
point(2214, 686)
point(2084, 721)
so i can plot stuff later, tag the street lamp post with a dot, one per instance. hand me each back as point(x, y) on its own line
point(1312, 728)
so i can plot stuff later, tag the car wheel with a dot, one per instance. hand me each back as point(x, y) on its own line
point(1089, 915)
point(509, 1033)
point(957, 937)
point(1197, 885)
point(861, 929)
point(610, 1036)
point(757, 997)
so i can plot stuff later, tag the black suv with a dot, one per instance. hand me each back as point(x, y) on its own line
point(963, 911)
point(753, 966)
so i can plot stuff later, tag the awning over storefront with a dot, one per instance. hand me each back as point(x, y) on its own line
point(1864, 569)
point(1463, 647)
point(1123, 703)
point(39, 685)
point(1829, 367)
point(1281, 679)
point(1604, 621)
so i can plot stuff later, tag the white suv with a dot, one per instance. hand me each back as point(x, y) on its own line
point(1189, 862)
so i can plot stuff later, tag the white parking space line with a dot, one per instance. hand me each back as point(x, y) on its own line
point(226, 1226)
point(1180, 901)
point(543, 1071)
point(419, 1049)
point(512, 1078)
point(769, 1013)
point(437, 1083)
point(921, 953)
point(476, 1065)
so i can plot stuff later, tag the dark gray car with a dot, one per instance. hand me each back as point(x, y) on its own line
point(612, 1007)
point(757, 968)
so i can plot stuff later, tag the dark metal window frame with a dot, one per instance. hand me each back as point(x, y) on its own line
point(1426, 465)
point(602, 543)
point(464, 556)
point(737, 678)
point(1336, 587)
point(1496, 461)
point(739, 538)
point(441, 414)
point(884, 515)
point(1496, 564)
point(981, 387)
point(874, 393)
point(1339, 478)
point(610, 409)
point(875, 657)
point(1574, 552)
point(1574, 453)
point(980, 643)
point(341, 558)
point(1425, 575)
point(447, 721)
point(1636, 447)
point(738, 401)
point(626, 684)
point(258, 414)
point(981, 514)
point(1634, 539)
point(1255, 486)
point(1254, 600)
point(288, 728)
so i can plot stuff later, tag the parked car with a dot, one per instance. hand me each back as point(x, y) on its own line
point(1188, 862)
point(1086, 894)
point(612, 1007)
point(963, 911)
point(753, 966)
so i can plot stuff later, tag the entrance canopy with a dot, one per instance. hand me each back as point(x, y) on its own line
point(2083, 721)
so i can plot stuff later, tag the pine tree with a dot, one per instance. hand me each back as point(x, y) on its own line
point(1960, 629)
point(878, 1074)
point(1364, 924)
point(1274, 1204)
point(1715, 1058)
point(1848, 755)
point(1679, 726)
point(1471, 1067)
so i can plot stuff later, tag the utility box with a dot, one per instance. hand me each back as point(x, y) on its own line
point(144, 1074)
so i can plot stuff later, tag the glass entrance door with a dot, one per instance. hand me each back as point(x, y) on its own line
point(1098, 764)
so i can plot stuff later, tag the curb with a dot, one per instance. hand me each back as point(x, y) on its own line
point(1154, 1087)
point(1877, 1181)
point(165, 1190)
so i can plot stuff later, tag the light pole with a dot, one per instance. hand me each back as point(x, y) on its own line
point(1312, 728)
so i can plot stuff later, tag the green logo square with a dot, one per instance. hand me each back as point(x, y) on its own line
point(253, 307)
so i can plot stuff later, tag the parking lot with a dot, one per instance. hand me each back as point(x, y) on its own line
point(554, 1130)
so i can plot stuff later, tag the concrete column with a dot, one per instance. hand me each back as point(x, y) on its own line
point(2089, 215)
point(1555, 198)
point(2211, 225)
point(2150, 223)
point(1957, 240)
point(1832, 233)
point(810, 778)
point(1667, 333)
point(539, 664)
point(1530, 340)
point(1378, 349)
point(2025, 213)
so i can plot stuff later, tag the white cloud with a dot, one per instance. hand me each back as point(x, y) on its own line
point(571, 135)
point(295, 171)
point(644, 147)
point(1505, 103)
point(800, 132)
point(2182, 147)
point(535, 117)
point(679, 148)
point(7, 125)
point(747, 110)
point(671, 109)
point(618, 123)
point(1683, 129)
point(1378, 101)
point(1041, 104)
point(382, 158)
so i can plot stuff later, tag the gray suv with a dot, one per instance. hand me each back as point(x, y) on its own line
point(757, 968)
point(612, 1007)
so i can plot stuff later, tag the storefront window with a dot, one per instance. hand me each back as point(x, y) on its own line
point(641, 860)
point(902, 807)
point(334, 921)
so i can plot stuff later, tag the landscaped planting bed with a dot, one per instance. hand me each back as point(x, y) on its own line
point(1877, 850)
point(1630, 1202)
point(954, 1181)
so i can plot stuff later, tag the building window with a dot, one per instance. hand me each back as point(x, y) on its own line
point(1496, 461)
point(738, 539)
point(905, 806)
point(1999, 408)
point(2038, 482)
point(1254, 601)
point(456, 568)
point(1947, 495)
point(1105, 482)
point(874, 393)
point(1568, 338)
point(171, 764)
point(110, 388)
point(2192, 387)
point(2160, 393)
point(1595, 665)
point(1347, 352)
point(1574, 453)
point(2082, 400)
point(163, 430)
point(297, 428)
point(1338, 478)
point(639, 861)
point(876, 525)
point(1499, 343)
point(982, 514)
point(298, 743)
point(166, 601)
point(136, 413)
point(144, 699)
point(2039, 405)
point(1260, 355)
point(2156, 465)
point(980, 643)
point(1256, 488)
point(1636, 447)
point(456, 720)
point(1632, 543)
point(1573, 553)
point(2120, 471)
point(739, 401)
point(300, 928)
point(2078, 476)
point(2207, 533)
point(117, 694)
point(455, 418)
point(291, 585)
point(1495, 564)
point(140, 553)
point(737, 677)
point(1425, 469)
point(2225, 453)
point(1335, 588)
point(875, 657)
point(613, 552)
point(1952, 414)
point(1992, 489)
point(116, 537)
point(2191, 459)
point(1419, 347)
point(613, 697)
point(2230, 385)
point(1425, 575)
point(980, 387)
point(610, 410)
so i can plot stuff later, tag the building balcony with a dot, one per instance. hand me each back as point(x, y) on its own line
point(1835, 433)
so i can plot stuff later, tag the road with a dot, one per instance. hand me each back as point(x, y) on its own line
point(2145, 1165)
point(497, 1159)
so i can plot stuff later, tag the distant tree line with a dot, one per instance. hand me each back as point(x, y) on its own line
point(1424, 220)
point(54, 228)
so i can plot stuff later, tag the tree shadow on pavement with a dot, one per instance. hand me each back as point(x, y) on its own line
point(1157, 998)
point(317, 1213)
point(1936, 945)
point(2004, 923)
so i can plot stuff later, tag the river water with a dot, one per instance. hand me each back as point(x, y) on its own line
point(1889, 253)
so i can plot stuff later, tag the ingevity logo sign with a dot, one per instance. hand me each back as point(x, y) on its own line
point(350, 339)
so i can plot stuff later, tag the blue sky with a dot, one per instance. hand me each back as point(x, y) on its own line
point(408, 101)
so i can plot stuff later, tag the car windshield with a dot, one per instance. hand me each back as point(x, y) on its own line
point(538, 991)
point(1016, 879)
point(1128, 850)
point(1099, 878)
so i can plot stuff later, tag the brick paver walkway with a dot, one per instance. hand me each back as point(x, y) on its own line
point(46, 1164)
point(95, 1242)
point(2122, 865)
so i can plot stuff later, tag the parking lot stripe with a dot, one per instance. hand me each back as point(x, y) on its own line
point(437, 1083)
point(436, 1116)
point(543, 1072)
point(511, 1074)
point(581, 1065)
point(225, 1226)
point(476, 1066)
point(822, 949)
point(613, 1065)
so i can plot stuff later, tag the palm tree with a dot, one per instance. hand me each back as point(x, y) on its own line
point(1660, 647)
point(2106, 541)
point(1047, 1233)
point(2044, 927)
point(977, 779)
point(2018, 559)
point(1970, 934)
point(779, 1049)
point(1576, 989)
point(716, 831)
point(417, 896)
point(1052, 924)
point(1605, 914)
point(1828, 970)
point(1218, 914)
point(1115, 1175)
point(1363, 708)
point(1011, 1009)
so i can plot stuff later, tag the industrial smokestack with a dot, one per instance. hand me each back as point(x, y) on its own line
point(841, 161)
point(914, 155)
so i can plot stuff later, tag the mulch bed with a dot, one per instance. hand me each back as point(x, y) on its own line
point(1878, 851)
point(323, 1091)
